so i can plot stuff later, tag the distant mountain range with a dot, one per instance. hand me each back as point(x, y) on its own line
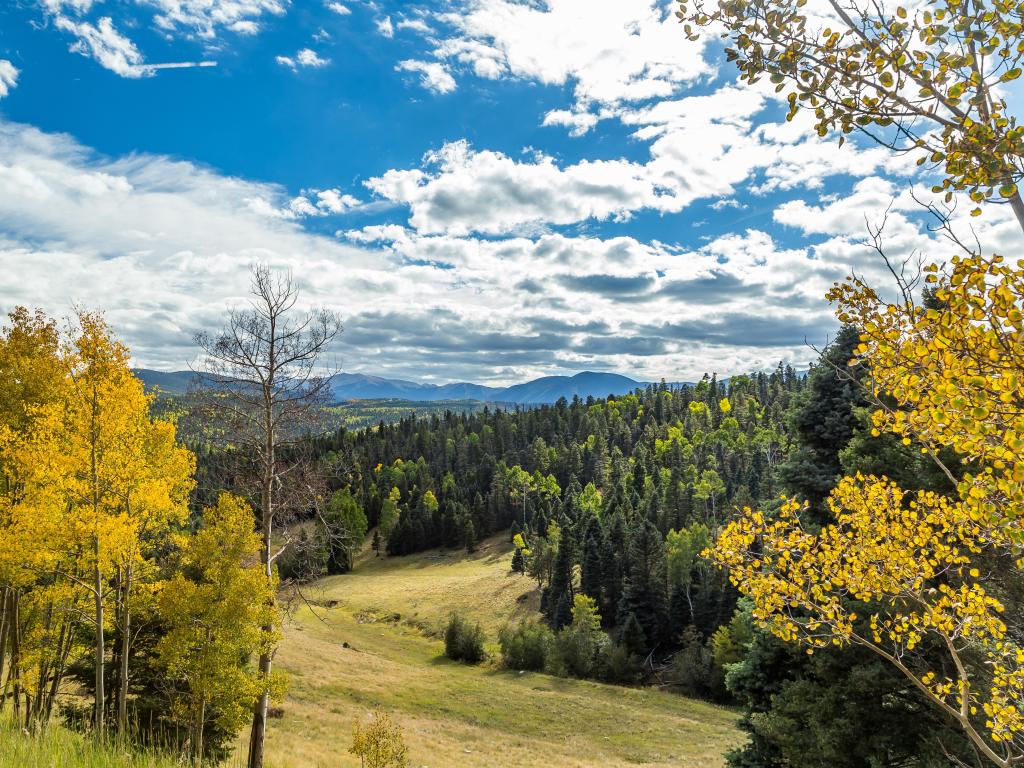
point(359, 386)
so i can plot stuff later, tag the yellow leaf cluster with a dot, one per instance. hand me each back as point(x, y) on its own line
point(896, 571)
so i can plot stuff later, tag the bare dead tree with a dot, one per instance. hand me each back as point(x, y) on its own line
point(262, 388)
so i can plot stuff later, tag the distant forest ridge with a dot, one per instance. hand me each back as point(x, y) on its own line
point(359, 386)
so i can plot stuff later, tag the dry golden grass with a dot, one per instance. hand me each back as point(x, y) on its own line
point(424, 589)
point(455, 715)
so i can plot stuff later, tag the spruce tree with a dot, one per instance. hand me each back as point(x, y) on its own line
point(632, 637)
point(645, 594)
point(591, 570)
point(560, 589)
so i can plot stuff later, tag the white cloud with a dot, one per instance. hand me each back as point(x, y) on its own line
point(107, 233)
point(612, 52)
point(333, 201)
point(78, 6)
point(699, 147)
point(433, 76)
point(108, 47)
point(579, 123)
point(338, 8)
point(8, 77)
point(416, 25)
point(315, 202)
point(105, 44)
point(203, 18)
point(846, 215)
point(727, 202)
point(464, 190)
point(305, 58)
point(101, 40)
point(385, 27)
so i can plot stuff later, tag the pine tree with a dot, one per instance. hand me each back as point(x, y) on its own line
point(632, 637)
point(644, 594)
point(561, 615)
point(560, 587)
point(591, 569)
point(823, 421)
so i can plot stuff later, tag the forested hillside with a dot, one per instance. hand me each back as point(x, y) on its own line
point(626, 489)
point(615, 499)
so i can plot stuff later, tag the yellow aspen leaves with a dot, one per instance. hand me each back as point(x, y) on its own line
point(945, 378)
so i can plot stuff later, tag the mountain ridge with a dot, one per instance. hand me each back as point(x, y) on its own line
point(361, 386)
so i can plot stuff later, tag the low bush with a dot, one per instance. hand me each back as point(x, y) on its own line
point(525, 646)
point(617, 664)
point(464, 641)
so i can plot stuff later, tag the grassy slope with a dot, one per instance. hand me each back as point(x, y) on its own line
point(456, 715)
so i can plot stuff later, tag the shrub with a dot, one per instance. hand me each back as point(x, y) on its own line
point(463, 641)
point(616, 664)
point(576, 648)
point(692, 669)
point(379, 744)
point(518, 562)
point(525, 646)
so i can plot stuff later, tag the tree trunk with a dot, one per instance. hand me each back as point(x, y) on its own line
point(197, 740)
point(126, 632)
point(97, 586)
point(258, 734)
point(14, 672)
point(50, 652)
point(4, 625)
point(98, 659)
point(67, 639)
point(1018, 208)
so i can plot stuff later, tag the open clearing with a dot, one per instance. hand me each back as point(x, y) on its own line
point(389, 612)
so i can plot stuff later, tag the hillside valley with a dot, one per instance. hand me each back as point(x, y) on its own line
point(373, 638)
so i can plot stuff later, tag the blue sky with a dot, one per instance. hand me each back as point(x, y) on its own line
point(483, 190)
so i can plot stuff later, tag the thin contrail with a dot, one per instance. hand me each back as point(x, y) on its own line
point(152, 68)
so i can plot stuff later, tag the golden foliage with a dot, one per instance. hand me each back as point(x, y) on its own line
point(379, 744)
point(92, 486)
point(216, 606)
point(896, 571)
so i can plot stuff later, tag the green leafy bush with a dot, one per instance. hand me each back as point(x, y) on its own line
point(525, 646)
point(464, 641)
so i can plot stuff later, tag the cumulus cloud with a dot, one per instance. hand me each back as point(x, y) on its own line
point(612, 53)
point(102, 42)
point(109, 47)
point(433, 76)
point(700, 147)
point(386, 27)
point(8, 77)
point(100, 39)
point(306, 58)
point(338, 8)
point(416, 25)
point(106, 232)
point(205, 18)
point(578, 123)
point(464, 190)
point(317, 202)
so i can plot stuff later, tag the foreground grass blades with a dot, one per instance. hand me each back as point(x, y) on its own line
point(60, 748)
